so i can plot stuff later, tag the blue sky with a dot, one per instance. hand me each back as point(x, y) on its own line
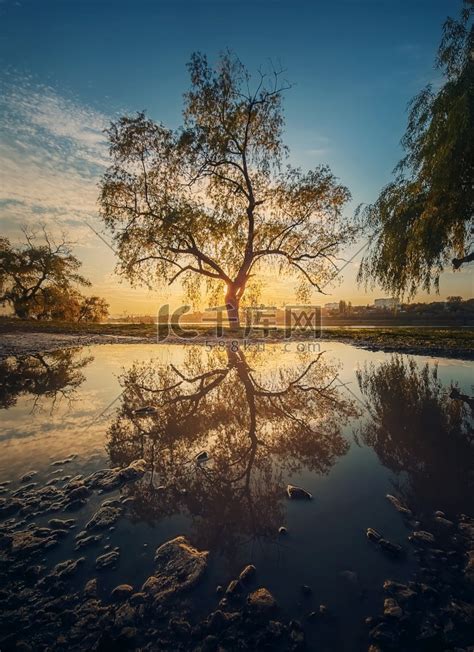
point(69, 66)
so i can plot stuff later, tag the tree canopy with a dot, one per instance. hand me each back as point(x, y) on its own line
point(213, 201)
point(39, 279)
point(422, 221)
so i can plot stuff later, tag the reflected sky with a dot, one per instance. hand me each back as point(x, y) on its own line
point(346, 424)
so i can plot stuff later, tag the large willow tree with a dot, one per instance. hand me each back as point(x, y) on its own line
point(422, 222)
point(213, 201)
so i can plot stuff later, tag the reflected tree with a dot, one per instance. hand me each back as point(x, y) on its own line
point(421, 431)
point(221, 439)
point(54, 376)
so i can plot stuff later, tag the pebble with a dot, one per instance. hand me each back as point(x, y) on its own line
point(108, 560)
point(297, 493)
point(247, 573)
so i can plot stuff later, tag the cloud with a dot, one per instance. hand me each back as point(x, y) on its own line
point(52, 154)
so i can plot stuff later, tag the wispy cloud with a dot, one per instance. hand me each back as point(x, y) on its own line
point(52, 153)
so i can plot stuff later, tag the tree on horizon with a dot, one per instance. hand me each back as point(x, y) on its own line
point(213, 203)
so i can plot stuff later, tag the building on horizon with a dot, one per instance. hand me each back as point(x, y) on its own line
point(387, 303)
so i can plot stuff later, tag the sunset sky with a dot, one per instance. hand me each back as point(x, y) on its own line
point(67, 68)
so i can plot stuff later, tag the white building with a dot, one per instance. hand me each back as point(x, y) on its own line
point(386, 303)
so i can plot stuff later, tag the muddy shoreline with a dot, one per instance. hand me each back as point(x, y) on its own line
point(40, 609)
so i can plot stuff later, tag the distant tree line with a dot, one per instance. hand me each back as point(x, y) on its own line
point(454, 306)
point(39, 280)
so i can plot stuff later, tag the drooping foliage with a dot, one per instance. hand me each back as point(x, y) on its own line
point(422, 221)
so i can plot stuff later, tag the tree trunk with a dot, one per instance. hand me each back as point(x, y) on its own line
point(21, 308)
point(232, 303)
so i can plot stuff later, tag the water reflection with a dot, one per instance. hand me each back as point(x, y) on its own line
point(257, 429)
point(53, 376)
point(422, 431)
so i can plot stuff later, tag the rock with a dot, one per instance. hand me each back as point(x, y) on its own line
point(234, 588)
point(469, 568)
point(134, 471)
point(179, 566)
point(67, 568)
point(216, 621)
point(261, 600)
point(125, 615)
point(104, 517)
point(462, 613)
point(386, 634)
point(108, 560)
point(392, 609)
point(444, 522)
point(53, 481)
point(27, 476)
point(399, 507)
point(60, 524)
point(180, 627)
point(391, 548)
point(138, 598)
point(79, 493)
point(9, 507)
point(85, 542)
point(466, 528)
point(33, 572)
point(296, 635)
point(247, 573)
point(387, 546)
point(297, 493)
point(323, 610)
point(421, 536)
point(373, 535)
point(27, 488)
point(402, 592)
point(109, 479)
point(121, 592)
point(151, 585)
point(27, 542)
point(68, 460)
point(90, 588)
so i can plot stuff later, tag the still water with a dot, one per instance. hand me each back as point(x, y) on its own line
point(347, 425)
